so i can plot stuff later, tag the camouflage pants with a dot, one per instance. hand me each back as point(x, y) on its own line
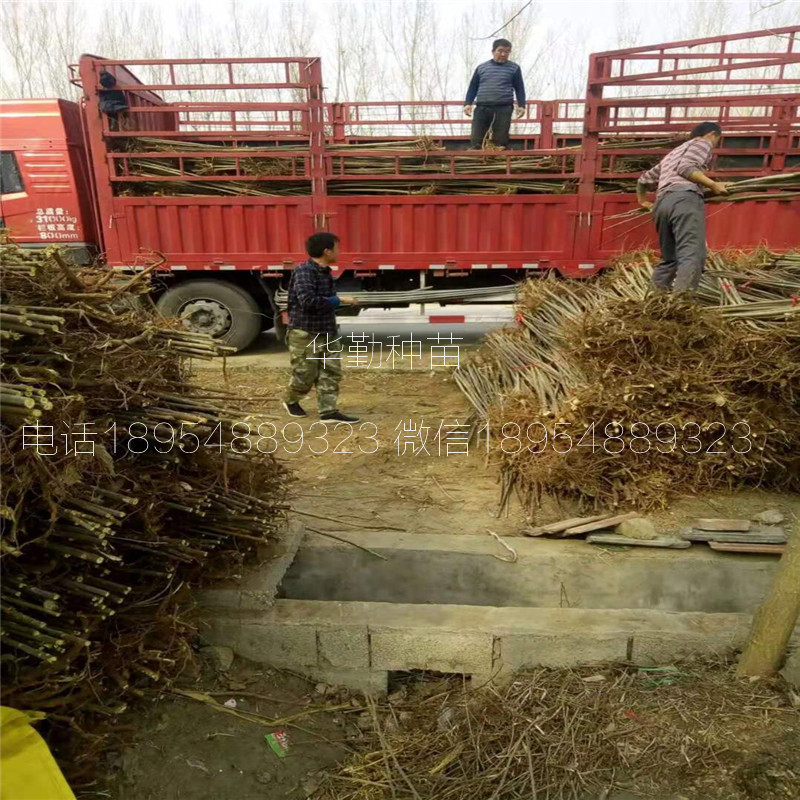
point(314, 363)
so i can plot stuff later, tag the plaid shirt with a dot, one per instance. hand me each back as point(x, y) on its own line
point(310, 307)
point(672, 172)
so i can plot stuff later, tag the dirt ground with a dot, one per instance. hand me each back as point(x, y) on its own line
point(186, 750)
point(433, 491)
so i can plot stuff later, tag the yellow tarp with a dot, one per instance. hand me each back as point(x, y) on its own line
point(27, 770)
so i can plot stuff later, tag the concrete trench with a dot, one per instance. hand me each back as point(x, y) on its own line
point(449, 603)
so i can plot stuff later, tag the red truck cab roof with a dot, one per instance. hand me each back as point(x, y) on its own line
point(45, 195)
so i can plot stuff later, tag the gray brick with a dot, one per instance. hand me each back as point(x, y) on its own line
point(546, 650)
point(279, 645)
point(660, 649)
point(429, 649)
point(343, 647)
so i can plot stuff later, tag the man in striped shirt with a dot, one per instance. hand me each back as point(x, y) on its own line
point(492, 90)
point(678, 211)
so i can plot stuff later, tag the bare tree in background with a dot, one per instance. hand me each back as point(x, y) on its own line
point(121, 33)
point(630, 33)
point(149, 37)
point(699, 20)
point(64, 46)
point(358, 64)
point(36, 44)
point(560, 68)
point(629, 28)
point(195, 40)
point(249, 33)
point(135, 31)
point(295, 38)
point(470, 50)
point(409, 36)
point(444, 80)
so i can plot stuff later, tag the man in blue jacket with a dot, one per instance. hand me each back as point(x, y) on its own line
point(312, 336)
point(492, 91)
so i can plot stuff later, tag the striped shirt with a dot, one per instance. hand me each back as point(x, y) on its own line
point(494, 83)
point(672, 172)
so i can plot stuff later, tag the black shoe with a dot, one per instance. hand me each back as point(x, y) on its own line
point(337, 416)
point(294, 409)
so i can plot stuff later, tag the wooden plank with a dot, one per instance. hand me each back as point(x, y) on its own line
point(670, 542)
point(722, 524)
point(557, 527)
point(729, 547)
point(607, 522)
point(768, 535)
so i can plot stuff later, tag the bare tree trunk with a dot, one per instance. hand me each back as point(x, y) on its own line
point(296, 29)
point(27, 30)
point(775, 619)
point(409, 33)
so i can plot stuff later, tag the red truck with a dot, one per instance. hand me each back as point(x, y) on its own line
point(231, 233)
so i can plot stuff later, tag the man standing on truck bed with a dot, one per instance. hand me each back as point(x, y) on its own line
point(492, 89)
point(311, 338)
point(679, 210)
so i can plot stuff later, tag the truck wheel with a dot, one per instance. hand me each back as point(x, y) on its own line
point(219, 309)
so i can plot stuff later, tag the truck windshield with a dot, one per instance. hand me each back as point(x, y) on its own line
point(10, 176)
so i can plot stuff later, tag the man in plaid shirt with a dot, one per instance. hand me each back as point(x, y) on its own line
point(678, 211)
point(312, 336)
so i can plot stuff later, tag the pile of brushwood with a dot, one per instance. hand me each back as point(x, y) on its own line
point(691, 730)
point(610, 393)
point(123, 485)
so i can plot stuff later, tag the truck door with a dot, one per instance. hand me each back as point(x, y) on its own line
point(16, 206)
point(39, 204)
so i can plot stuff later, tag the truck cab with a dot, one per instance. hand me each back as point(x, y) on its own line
point(45, 195)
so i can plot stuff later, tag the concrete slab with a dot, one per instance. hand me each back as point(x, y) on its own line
point(461, 570)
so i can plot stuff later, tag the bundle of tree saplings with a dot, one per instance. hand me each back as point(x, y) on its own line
point(197, 167)
point(613, 394)
point(123, 484)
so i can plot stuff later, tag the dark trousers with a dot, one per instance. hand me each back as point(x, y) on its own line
point(681, 224)
point(498, 118)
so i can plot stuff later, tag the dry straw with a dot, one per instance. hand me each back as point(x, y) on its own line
point(571, 734)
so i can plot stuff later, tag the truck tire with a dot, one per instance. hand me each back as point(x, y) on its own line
point(220, 309)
